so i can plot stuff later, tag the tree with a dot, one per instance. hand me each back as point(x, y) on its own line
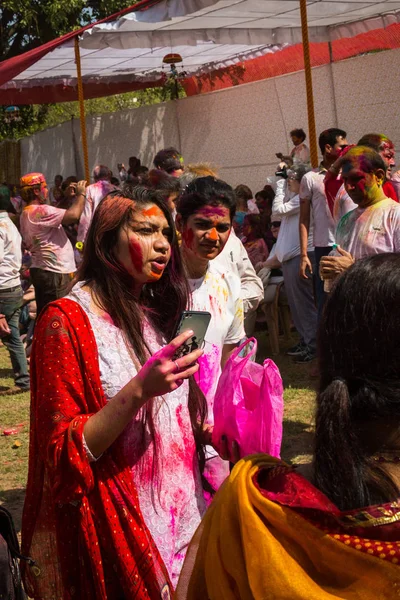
point(26, 24)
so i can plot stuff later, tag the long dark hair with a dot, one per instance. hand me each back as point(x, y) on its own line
point(161, 302)
point(358, 404)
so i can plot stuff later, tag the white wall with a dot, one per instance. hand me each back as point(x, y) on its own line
point(238, 129)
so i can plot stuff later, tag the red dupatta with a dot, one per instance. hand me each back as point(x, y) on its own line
point(81, 522)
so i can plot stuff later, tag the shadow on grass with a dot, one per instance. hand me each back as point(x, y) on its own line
point(13, 501)
point(6, 373)
point(298, 441)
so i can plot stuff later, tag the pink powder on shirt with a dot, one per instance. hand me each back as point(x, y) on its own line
point(187, 436)
point(208, 374)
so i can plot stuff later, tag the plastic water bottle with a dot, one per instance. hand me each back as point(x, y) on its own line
point(328, 283)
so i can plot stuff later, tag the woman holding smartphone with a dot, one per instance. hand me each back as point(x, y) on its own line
point(116, 420)
point(205, 213)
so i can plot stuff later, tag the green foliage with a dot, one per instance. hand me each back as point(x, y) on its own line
point(26, 24)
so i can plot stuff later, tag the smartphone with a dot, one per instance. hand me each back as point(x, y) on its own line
point(198, 322)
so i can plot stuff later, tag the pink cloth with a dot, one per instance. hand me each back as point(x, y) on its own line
point(44, 236)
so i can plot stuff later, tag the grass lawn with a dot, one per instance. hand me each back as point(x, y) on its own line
point(14, 410)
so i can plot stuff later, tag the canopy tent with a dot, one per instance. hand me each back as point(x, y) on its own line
point(125, 52)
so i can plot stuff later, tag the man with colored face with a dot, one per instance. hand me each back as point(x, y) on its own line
point(385, 147)
point(373, 227)
point(53, 261)
point(313, 203)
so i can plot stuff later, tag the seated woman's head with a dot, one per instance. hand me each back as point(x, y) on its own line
point(243, 194)
point(205, 212)
point(363, 174)
point(358, 405)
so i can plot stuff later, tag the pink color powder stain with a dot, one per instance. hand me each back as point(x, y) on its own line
point(188, 237)
point(213, 211)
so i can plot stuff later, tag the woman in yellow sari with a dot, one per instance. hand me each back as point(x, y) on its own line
point(331, 530)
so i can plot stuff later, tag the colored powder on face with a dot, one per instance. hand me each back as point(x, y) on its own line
point(156, 274)
point(213, 235)
point(213, 211)
point(153, 211)
point(136, 253)
point(188, 237)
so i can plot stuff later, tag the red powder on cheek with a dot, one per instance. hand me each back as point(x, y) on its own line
point(136, 253)
point(188, 237)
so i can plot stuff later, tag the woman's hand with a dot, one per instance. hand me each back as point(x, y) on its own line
point(162, 373)
point(333, 266)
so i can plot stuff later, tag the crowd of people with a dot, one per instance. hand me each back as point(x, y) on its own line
point(126, 495)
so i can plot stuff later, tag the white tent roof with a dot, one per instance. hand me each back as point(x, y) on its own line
point(207, 34)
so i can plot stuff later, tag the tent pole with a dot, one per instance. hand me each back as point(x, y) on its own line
point(82, 110)
point(309, 85)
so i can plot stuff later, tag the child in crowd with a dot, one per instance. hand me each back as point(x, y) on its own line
point(244, 205)
point(253, 239)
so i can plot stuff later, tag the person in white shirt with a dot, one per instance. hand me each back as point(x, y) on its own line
point(94, 195)
point(205, 212)
point(300, 152)
point(299, 291)
point(53, 263)
point(313, 203)
point(11, 291)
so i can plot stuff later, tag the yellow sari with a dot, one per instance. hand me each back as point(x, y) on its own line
point(249, 547)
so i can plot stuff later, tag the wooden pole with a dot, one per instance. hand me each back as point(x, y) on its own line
point(82, 111)
point(309, 86)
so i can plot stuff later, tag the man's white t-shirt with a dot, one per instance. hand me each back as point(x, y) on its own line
point(10, 253)
point(43, 234)
point(220, 295)
point(372, 230)
point(312, 188)
point(234, 258)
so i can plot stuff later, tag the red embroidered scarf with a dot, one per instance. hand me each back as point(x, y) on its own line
point(82, 522)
